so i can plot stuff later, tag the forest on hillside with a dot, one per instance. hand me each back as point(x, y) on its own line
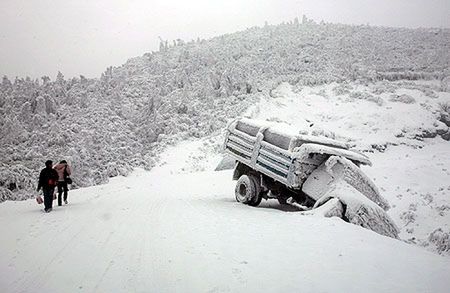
point(122, 120)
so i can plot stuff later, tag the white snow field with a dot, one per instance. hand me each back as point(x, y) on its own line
point(178, 230)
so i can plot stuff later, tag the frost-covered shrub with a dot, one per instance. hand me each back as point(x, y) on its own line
point(342, 89)
point(406, 99)
point(445, 84)
point(318, 131)
point(441, 240)
point(368, 97)
point(443, 209)
point(114, 169)
point(408, 217)
point(16, 177)
point(276, 120)
point(26, 109)
point(383, 87)
point(445, 107)
point(41, 108)
point(430, 93)
point(322, 93)
point(444, 116)
point(5, 194)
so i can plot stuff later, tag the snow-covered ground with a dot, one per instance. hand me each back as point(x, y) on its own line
point(412, 172)
point(174, 230)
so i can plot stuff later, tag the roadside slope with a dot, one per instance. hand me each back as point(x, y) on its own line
point(401, 126)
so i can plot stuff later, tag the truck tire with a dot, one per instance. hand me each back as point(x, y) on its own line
point(256, 200)
point(246, 190)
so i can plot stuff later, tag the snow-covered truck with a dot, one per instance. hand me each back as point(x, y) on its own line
point(315, 174)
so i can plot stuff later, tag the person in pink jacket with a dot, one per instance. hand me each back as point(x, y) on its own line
point(64, 171)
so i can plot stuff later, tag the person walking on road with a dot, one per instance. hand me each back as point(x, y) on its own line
point(47, 181)
point(64, 171)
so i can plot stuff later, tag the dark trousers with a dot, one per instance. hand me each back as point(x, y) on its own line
point(48, 197)
point(62, 187)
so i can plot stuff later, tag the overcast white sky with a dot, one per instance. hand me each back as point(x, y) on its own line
point(40, 37)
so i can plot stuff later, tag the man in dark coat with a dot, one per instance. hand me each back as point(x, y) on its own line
point(47, 181)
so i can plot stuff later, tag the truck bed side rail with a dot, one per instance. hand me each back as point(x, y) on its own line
point(258, 155)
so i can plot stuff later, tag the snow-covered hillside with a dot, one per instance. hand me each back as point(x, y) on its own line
point(177, 230)
point(404, 139)
point(107, 126)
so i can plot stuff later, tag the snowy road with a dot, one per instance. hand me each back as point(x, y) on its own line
point(164, 231)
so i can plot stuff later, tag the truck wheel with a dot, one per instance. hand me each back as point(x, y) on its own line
point(256, 199)
point(245, 189)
